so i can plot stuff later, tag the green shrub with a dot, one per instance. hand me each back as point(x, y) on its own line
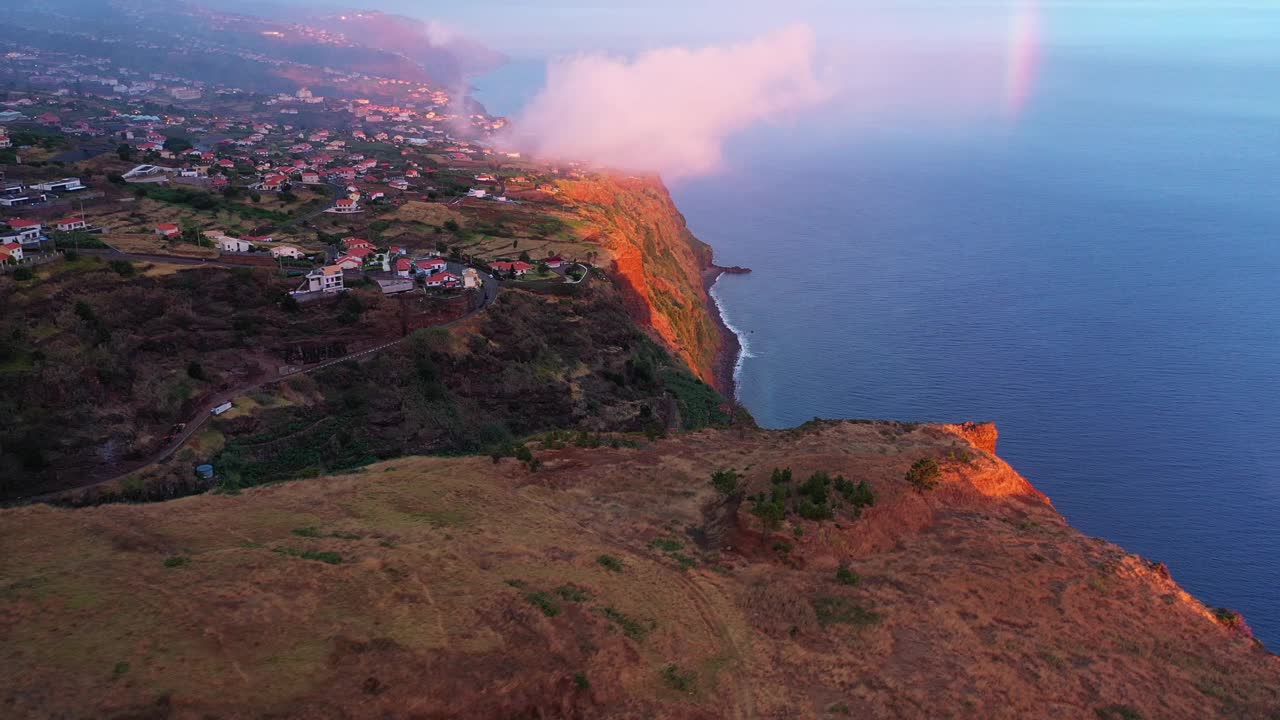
point(581, 681)
point(176, 561)
point(573, 593)
point(842, 611)
point(924, 474)
point(680, 680)
point(781, 477)
point(845, 576)
point(308, 532)
point(543, 602)
point(610, 563)
point(667, 544)
point(858, 495)
point(725, 481)
point(23, 274)
point(631, 627)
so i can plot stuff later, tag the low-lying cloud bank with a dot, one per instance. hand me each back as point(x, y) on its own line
point(669, 110)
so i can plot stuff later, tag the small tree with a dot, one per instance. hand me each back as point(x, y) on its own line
point(725, 481)
point(924, 474)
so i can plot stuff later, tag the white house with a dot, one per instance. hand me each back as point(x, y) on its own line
point(471, 278)
point(168, 230)
point(349, 262)
point(10, 251)
point(325, 279)
point(444, 279)
point(70, 224)
point(477, 193)
point(345, 206)
point(25, 232)
point(288, 251)
point(226, 243)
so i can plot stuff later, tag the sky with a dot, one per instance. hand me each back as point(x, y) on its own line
point(537, 28)
point(629, 85)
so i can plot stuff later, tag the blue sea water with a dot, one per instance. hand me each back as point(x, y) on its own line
point(1101, 278)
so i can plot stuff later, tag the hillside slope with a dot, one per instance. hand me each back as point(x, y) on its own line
point(616, 582)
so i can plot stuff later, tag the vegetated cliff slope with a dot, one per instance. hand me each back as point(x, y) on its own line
point(657, 259)
point(617, 582)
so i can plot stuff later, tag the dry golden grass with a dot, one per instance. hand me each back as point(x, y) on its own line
point(152, 244)
point(976, 599)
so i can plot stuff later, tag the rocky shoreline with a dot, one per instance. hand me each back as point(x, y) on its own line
point(730, 346)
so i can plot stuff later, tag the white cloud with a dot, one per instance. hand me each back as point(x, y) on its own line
point(669, 110)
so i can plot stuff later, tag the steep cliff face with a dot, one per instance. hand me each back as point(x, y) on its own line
point(659, 263)
point(618, 582)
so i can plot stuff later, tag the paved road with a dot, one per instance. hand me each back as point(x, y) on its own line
point(205, 412)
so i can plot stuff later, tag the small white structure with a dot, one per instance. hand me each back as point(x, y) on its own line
point(471, 278)
point(70, 224)
point(288, 251)
point(325, 279)
point(221, 408)
point(227, 243)
point(477, 193)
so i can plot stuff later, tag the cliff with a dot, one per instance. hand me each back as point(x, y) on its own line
point(657, 261)
point(875, 570)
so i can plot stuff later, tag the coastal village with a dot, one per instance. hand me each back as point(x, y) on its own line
point(336, 199)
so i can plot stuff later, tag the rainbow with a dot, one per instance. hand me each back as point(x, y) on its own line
point(1022, 61)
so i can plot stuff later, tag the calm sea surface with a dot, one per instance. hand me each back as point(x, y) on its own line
point(1101, 278)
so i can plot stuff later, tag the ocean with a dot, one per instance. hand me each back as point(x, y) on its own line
point(1100, 277)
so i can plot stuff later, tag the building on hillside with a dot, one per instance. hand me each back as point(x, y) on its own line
point(286, 251)
point(350, 243)
point(11, 251)
point(71, 224)
point(430, 265)
point(168, 230)
point(325, 279)
point(442, 280)
point(403, 267)
point(61, 185)
point(345, 206)
point(226, 243)
point(471, 278)
point(516, 268)
point(26, 232)
point(349, 262)
point(555, 261)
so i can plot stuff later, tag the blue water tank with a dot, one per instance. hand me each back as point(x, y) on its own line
point(204, 471)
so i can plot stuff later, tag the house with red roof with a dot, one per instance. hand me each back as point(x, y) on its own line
point(361, 252)
point(431, 265)
point(168, 230)
point(10, 251)
point(69, 224)
point(25, 232)
point(517, 268)
point(345, 206)
point(355, 242)
point(442, 280)
point(554, 261)
point(349, 262)
point(404, 267)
